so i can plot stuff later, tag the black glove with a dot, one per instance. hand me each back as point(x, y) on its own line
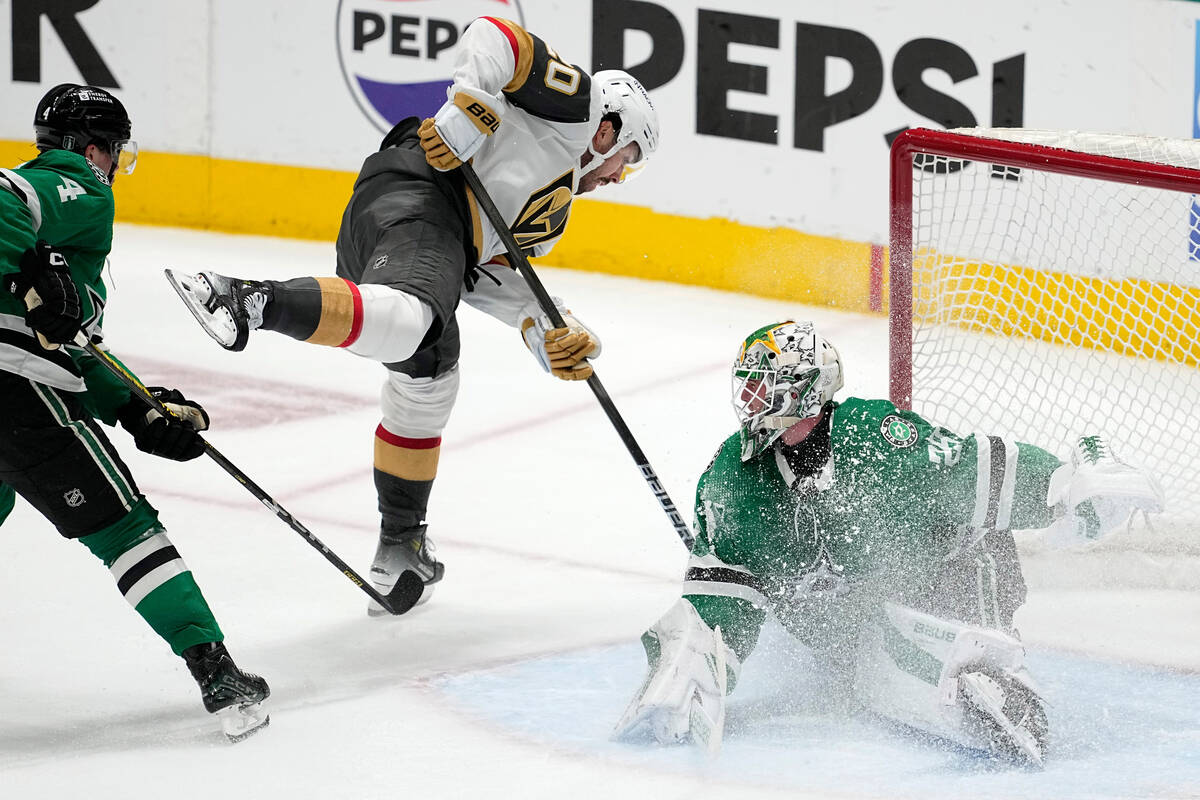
point(56, 313)
point(175, 437)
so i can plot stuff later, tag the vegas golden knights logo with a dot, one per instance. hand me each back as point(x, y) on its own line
point(545, 215)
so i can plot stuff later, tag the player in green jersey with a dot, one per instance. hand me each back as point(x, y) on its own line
point(56, 227)
point(881, 542)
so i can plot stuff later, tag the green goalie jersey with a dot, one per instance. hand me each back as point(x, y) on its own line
point(894, 497)
point(61, 198)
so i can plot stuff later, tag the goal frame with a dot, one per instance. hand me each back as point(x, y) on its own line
point(992, 151)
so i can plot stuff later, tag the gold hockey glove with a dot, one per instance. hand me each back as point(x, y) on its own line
point(457, 131)
point(563, 352)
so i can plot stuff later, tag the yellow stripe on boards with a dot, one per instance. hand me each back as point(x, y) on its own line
point(14, 153)
point(770, 262)
point(195, 191)
point(1131, 317)
point(304, 203)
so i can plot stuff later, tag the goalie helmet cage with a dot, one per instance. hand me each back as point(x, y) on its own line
point(1044, 285)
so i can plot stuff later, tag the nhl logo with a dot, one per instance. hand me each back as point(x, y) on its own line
point(397, 56)
point(74, 498)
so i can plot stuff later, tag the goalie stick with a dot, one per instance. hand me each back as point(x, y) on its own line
point(521, 263)
point(400, 599)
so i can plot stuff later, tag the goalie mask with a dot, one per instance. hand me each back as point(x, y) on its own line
point(784, 373)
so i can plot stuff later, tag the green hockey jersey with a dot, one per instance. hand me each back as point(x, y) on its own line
point(61, 198)
point(893, 499)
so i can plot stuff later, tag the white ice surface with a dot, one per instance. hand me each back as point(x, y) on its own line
point(558, 556)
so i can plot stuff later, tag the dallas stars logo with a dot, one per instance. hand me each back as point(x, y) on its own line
point(92, 322)
point(898, 431)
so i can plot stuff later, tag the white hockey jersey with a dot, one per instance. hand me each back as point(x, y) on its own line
point(548, 112)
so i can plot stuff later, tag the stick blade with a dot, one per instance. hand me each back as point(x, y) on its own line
point(405, 594)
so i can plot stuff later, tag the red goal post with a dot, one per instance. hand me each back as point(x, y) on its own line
point(1045, 284)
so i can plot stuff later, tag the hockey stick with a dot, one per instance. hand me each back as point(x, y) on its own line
point(400, 599)
point(539, 291)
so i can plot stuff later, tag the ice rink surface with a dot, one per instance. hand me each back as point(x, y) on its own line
point(507, 683)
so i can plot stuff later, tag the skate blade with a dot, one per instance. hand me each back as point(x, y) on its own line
point(238, 723)
point(218, 324)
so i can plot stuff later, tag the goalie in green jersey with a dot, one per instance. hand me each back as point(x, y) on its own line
point(56, 228)
point(880, 541)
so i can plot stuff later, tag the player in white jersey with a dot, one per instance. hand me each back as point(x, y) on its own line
point(538, 130)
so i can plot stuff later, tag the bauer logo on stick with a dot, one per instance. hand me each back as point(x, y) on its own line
point(398, 58)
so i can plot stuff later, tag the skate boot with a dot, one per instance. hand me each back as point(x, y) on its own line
point(400, 550)
point(236, 697)
point(227, 308)
point(1004, 710)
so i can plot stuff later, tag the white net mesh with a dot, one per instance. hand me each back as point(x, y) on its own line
point(1047, 306)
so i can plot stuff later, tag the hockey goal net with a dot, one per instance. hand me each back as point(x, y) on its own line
point(1046, 285)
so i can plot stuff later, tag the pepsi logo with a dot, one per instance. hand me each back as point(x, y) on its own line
point(397, 56)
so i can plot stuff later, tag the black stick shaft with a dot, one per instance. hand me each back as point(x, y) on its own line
point(539, 291)
point(142, 394)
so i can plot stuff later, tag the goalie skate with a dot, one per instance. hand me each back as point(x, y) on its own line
point(1005, 711)
point(409, 550)
point(227, 308)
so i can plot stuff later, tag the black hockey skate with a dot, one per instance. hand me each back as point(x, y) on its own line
point(1004, 710)
point(399, 551)
point(236, 697)
point(227, 308)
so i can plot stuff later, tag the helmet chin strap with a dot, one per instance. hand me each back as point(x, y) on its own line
point(599, 158)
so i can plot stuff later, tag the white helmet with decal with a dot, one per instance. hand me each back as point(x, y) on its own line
point(623, 95)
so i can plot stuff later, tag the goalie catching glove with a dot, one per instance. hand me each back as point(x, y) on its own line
point(457, 131)
point(48, 291)
point(1100, 492)
point(175, 437)
point(563, 352)
point(683, 698)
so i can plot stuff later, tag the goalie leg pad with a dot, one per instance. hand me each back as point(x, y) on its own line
point(952, 680)
point(683, 697)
